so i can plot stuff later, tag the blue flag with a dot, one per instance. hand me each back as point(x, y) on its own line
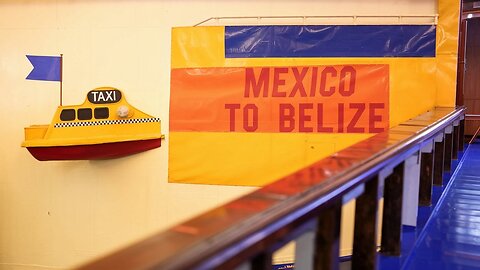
point(45, 68)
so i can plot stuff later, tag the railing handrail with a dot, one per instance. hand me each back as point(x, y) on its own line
point(219, 236)
point(399, 18)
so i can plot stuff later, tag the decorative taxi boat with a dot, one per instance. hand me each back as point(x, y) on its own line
point(105, 126)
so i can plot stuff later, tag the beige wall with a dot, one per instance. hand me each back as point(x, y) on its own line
point(58, 214)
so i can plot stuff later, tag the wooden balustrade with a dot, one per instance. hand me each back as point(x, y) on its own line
point(306, 206)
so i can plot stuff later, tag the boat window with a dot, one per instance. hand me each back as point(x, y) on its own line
point(101, 113)
point(67, 115)
point(84, 114)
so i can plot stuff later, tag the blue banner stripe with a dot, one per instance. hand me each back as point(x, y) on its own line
point(330, 41)
point(45, 68)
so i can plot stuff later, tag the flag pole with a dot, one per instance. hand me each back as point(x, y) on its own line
point(61, 78)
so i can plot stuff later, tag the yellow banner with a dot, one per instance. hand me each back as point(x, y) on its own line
point(213, 154)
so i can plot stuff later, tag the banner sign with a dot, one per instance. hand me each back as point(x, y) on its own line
point(250, 104)
point(322, 99)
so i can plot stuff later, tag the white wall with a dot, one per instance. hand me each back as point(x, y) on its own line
point(58, 214)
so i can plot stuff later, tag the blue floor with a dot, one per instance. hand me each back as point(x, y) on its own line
point(448, 232)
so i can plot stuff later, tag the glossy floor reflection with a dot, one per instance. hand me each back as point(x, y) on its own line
point(448, 233)
point(411, 234)
point(451, 237)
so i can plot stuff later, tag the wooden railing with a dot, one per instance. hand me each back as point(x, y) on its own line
point(306, 206)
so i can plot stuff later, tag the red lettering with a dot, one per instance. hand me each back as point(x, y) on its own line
point(323, 81)
point(374, 117)
point(351, 126)
point(299, 82)
point(287, 120)
point(251, 84)
point(320, 127)
point(341, 117)
point(347, 71)
point(313, 85)
point(254, 123)
point(278, 82)
point(302, 117)
point(299, 117)
point(232, 108)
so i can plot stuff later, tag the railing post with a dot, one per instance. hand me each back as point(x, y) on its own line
point(411, 189)
point(456, 133)
point(365, 233)
point(392, 212)
point(438, 160)
point(305, 249)
point(262, 261)
point(244, 266)
point(327, 240)
point(461, 136)
point(319, 247)
point(447, 164)
point(426, 175)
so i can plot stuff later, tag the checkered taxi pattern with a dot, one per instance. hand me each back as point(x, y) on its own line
point(106, 122)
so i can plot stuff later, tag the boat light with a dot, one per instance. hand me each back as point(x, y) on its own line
point(123, 111)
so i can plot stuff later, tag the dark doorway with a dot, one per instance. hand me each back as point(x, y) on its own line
point(471, 79)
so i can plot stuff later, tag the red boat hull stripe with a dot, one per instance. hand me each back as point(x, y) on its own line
point(94, 151)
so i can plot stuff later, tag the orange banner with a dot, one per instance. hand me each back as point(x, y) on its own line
point(318, 99)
